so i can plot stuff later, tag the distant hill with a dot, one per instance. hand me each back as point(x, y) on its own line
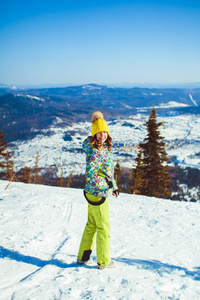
point(113, 96)
point(24, 113)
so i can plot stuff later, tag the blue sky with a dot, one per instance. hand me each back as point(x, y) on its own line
point(103, 42)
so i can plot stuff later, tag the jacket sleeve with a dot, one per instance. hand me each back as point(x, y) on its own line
point(86, 145)
point(115, 187)
point(108, 170)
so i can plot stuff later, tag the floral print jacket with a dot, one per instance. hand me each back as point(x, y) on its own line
point(99, 166)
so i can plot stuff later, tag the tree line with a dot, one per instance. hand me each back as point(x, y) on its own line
point(27, 174)
point(6, 163)
point(151, 175)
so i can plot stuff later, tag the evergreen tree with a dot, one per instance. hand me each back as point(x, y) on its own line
point(27, 175)
point(156, 172)
point(117, 175)
point(3, 148)
point(36, 176)
point(9, 167)
point(137, 175)
point(60, 181)
point(69, 180)
point(198, 193)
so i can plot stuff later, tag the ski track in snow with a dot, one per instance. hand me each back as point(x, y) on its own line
point(155, 243)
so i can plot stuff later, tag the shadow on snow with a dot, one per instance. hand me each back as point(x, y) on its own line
point(14, 255)
point(159, 267)
point(151, 265)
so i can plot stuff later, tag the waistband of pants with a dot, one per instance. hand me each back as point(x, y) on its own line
point(95, 203)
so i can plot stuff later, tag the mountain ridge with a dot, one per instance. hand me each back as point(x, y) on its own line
point(24, 112)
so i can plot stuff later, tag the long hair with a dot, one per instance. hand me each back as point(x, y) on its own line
point(95, 144)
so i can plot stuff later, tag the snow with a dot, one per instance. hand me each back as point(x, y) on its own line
point(29, 96)
point(171, 104)
point(8, 86)
point(194, 102)
point(156, 94)
point(57, 121)
point(155, 243)
point(91, 87)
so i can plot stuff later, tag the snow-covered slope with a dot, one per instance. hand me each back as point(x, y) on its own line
point(155, 243)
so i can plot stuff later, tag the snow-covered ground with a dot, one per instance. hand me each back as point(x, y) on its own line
point(181, 134)
point(155, 243)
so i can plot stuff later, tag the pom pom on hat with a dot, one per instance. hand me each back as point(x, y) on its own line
point(96, 115)
point(98, 123)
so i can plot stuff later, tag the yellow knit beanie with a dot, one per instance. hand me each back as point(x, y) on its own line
point(98, 123)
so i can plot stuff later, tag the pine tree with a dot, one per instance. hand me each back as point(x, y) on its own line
point(117, 175)
point(27, 175)
point(198, 192)
point(156, 172)
point(137, 175)
point(60, 181)
point(3, 148)
point(9, 167)
point(69, 180)
point(36, 176)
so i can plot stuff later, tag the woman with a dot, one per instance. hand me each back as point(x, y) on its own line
point(100, 184)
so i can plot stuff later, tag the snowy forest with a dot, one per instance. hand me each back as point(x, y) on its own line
point(150, 175)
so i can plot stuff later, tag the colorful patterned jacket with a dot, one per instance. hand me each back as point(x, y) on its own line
point(99, 166)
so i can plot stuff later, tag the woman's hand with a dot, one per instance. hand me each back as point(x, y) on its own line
point(115, 193)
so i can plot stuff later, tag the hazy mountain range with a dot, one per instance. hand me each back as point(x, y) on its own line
point(24, 113)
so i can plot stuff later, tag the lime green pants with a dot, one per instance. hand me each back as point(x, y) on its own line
point(97, 227)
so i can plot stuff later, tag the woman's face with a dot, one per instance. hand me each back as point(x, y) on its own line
point(101, 136)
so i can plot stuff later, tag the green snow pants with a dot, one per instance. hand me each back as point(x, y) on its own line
point(97, 227)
